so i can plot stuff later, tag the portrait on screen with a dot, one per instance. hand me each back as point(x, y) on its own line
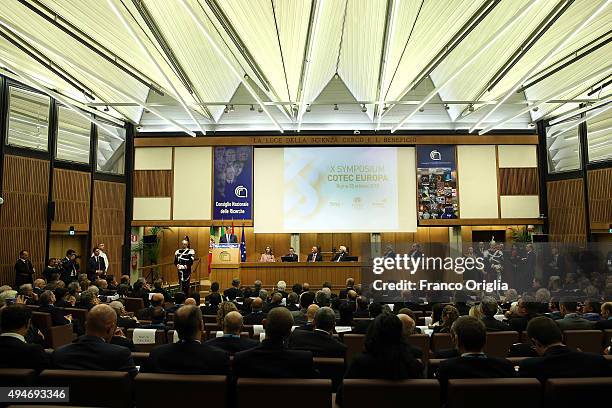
point(437, 182)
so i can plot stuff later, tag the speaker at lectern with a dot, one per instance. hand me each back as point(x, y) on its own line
point(226, 254)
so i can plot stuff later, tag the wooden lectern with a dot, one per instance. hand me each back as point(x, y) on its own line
point(225, 264)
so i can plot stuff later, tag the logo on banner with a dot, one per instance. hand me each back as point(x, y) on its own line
point(435, 155)
point(241, 192)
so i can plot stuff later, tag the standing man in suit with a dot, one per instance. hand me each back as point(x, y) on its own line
point(93, 351)
point(529, 263)
point(96, 266)
point(102, 248)
point(556, 359)
point(70, 267)
point(228, 237)
point(341, 255)
point(314, 255)
point(15, 322)
point(231, 341)
point(320, 340)
point(189, 355)
point(24, 270)
point(272, 359)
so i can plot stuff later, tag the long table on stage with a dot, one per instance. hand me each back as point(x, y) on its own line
point(269, 273)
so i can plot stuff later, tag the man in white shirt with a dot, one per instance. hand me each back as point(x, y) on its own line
point(103, 255)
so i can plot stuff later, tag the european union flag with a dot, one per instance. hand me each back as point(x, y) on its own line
point(242, 247)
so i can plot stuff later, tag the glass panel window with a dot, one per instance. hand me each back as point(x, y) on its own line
point(73, 135)
point(599, 136)
point(563, 147)
point(28, 119)
point(111, 149)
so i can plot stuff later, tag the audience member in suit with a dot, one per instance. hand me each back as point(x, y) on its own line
point(385, 354)
point(188, 355)
point(314, 255)
point(449, 315)
point(123, 319)
point(232, 293)
point(292, 302)
point(93, 351)
point(157, 300)
point(470, 335)
point(158, 319)
point(590, 309)
point(211, 307)
point(362, 326)
point(157, 288)
point(408, 325)
point(346, 310)
point(179, 300)
point(362, 308)
point(310, 315)
point(272, 359)
point(120, 339)
point(38, 287)
point(141, 290)
point(24, 271)
point(62, 298)
point(489, 308)
point(320, 341)
point(214, 288)
point(528, 267)
point(571, 319)
point(409, 313)
point(606, 315)
point(15, 322)
point(556, 359)
point(88, 300)
point(527, 310)
point(299, 316)
point(275, 301)
point(350, 283)
point(257, 315)
point(47, 305)
point(231, 341)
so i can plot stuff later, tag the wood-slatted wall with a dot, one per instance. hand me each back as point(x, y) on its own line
point(23, 216)
point(153, 183)
point(566, 215)
point(600, 198)
point(518, 181)
point(71, 193)
point(109, 220)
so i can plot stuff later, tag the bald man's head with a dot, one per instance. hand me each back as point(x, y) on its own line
point(256, 304)
point(157, 299)
point(101, 322)
point(311, 312)
point(278, 324)
point(190, 301)
point(232, 324)
point(188, 322)
point(407, 323)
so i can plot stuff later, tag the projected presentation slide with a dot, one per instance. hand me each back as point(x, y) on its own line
point(331, 189)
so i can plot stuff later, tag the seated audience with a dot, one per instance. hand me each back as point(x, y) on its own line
point(346, 311)
point(157, 288)
point(292, 302)
point(214, 288)
point(224, 309)
point(157, 300)
point(233, 292)
point(93, 351)
point(272, 359)
point(281, 287)
point(556, 359)
point(350, 283)
point(158, 319)
point(179, 300)
point(470, 335)
point(310, 314)
point(231, 341)
point(275, 301)
point(408, 325)
point(527, 309)
point(590, 310)
point(299, 316)
point(47, 305)
point(385, 354)
point(257, 315)
point(606, 316)
point(212, 304)
point(123, 318)
point(489, 309)
point(188, 355)
point(87, 300)
point(571, 319)
point(362, 326)
point(362, 308)
point(320, 340)
point(449, 315)
point(15, 352)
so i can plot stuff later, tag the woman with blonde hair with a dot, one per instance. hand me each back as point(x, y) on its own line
point(224, 308)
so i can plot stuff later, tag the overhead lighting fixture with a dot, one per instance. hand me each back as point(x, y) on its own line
point(231, 108)
point(260, 109)
point(335, 106)
point(471, 107)
point(421, 109)
point(225, 110)
point(308, 108)
point(106, 109)
point(364, 109)
point(252, 108)
point(446, 106)
point(535, 108)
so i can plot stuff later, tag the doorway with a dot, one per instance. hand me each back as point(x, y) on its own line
point(60, 243)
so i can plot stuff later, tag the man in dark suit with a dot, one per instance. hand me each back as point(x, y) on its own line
point(257, 315)
point(362, 326)
point(272, 359)
point(96, 268)
point(470, 335)
point(228, 238)
point(319, 341)
point(93, 351)
point(157, 288)
point(314, 255)
point(606, 316)
point(528, 269)
point(311, 311)
point(157, 300)
point(299, 316)
point(350, 284)
point(70, 267)
point(15, 322)
point(189, 355)
point(556, 359)
point(291, 256)
point(489, 309)
point(571, 319)
point(362, 307)
point(341, 255)
point(233, 292)
point(123, 319)
point(47, 305)
point(24, 271)
point(231, 341)
point(527, 309)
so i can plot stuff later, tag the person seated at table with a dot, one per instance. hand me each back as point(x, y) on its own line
point(314, 255)
point(341, 255)
point(267, 256)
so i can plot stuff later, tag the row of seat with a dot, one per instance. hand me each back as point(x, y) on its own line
point(118, 390)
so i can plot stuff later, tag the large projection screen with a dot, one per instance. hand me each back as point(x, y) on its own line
point(334, 189)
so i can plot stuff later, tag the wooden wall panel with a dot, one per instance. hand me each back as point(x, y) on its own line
point(23, 216)
point(600, 197)
point(566, 211)
point(108, 224)
point(153, 183)
point(518, 181)
point(71, 193)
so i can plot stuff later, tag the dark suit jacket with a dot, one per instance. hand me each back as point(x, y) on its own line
point(340, 257)
point(57, 315)
point(16, 354)
point(319, 257)
point(518, 323)
point(305, 327)
point(23, 272)
point(573, 321)
point(232, 345)
point(232, 293)
point(93, 353)
point(344, 293)
point(473, 367)
point(492, 324)
point(563, 362)
point(603, 325)
point(126, 322)
point(254, 318)
point(186, 357)
point(320, 343)
point(93, 266)
point(271, 359)
point(362, 326)
point(232, 239)
point(124, 342)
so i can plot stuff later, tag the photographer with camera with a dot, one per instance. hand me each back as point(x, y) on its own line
point(70, 267)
